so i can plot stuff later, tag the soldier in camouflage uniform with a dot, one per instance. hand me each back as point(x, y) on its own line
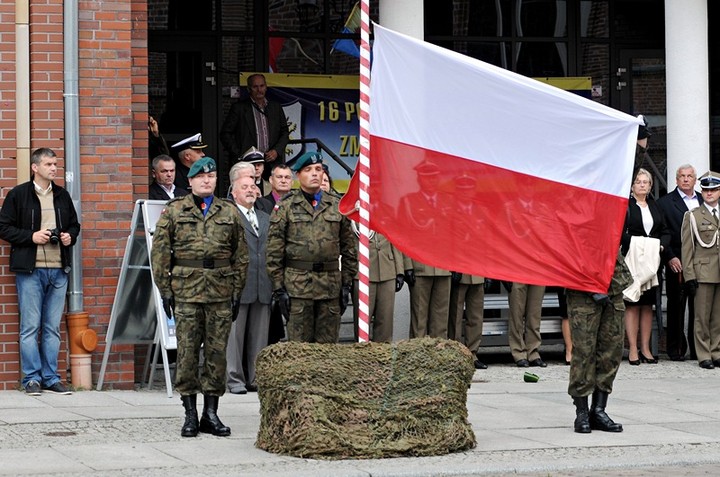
point(199, 261)
point(597, 328)
point(307, 236)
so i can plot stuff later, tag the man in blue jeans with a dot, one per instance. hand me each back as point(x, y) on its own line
point(39, 220)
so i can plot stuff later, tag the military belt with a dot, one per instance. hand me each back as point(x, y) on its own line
point(205, 263)
point(314, 266)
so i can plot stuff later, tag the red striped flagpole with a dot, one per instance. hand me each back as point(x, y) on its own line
point(364, 170)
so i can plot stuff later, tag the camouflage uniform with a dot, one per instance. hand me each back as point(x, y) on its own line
point(182, 241)
point(597, 334)
point(302, 255)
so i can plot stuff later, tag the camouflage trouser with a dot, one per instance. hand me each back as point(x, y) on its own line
point(206, 324)
point(597, 335)
point(314, 321)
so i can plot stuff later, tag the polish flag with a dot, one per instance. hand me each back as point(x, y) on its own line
point(479, 170)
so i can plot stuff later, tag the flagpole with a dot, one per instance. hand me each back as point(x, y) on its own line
point(364, 170)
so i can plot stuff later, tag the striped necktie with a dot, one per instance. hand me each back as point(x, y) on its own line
point(252, 218)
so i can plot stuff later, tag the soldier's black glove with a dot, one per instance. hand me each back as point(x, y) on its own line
point(344, 298)
point(235, 306)
point(487, 284)
point(281, 297)
point(601, 299)
point(168, 305)
point(455, 277)
point(399, 282)
point(410, 277)
point(691, 287)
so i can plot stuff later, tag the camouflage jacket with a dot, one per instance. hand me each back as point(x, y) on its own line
point(621, 279)
point(299, 234)
point(182, 233)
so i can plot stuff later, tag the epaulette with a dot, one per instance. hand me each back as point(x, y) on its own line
point(225, 199)
point(175, 199)
point(292, 193)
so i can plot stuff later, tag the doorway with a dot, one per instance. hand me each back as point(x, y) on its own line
point(640, 82)
point(183, 89)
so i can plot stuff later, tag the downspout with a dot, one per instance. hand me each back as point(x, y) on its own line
point(81, 339)
point(22, 89)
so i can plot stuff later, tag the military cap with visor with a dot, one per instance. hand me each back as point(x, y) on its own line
point(192, 142)
point(253, 155)
point(710, 180)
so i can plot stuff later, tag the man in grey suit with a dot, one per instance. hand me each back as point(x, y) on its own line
point(249, 333)
point(701, 267)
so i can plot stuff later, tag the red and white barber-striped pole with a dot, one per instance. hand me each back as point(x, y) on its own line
point(364, 170)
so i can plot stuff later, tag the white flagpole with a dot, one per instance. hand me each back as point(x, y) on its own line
point(364, 170)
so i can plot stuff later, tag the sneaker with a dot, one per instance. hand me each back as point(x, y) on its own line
point(57, 388)
point(32, 388)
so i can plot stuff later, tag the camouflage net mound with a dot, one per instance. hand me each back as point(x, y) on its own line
point(365, 400)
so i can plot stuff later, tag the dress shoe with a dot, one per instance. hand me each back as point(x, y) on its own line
point(480, 365)
point(238, 390)
point(647, 360)
point(538, 363)
point(635, 362)
point(706, 364)
point(522, 363)
point(252, 388)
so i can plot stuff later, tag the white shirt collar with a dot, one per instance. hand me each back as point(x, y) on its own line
point(687, 197)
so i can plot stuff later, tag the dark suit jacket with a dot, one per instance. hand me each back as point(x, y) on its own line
point(238, 131)
point(673, 208)
point(266, 203)
point(181, 179)
point(258, 287)
point(155, 192)
point(634, 226)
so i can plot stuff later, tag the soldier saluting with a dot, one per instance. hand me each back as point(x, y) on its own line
point(199, 262)
point(307, 236)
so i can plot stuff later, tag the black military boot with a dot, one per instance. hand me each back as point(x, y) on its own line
point(190, 428)
point(210, 423)
point(599, 420)
point(582, 424)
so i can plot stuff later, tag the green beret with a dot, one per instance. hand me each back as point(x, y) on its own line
point(307, 159)
point(202, 165)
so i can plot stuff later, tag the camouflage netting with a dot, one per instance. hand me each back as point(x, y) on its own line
point(366, 400)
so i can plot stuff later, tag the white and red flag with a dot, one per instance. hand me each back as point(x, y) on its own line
point(479, 170)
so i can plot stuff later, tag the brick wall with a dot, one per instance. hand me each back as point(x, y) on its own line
point(113, 131)
point(9, 358)
point(106, 146)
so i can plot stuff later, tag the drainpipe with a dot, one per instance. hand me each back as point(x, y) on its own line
point(82, 339)
point(22, 89)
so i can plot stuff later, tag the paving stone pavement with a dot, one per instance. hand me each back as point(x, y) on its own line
point(670, 411)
